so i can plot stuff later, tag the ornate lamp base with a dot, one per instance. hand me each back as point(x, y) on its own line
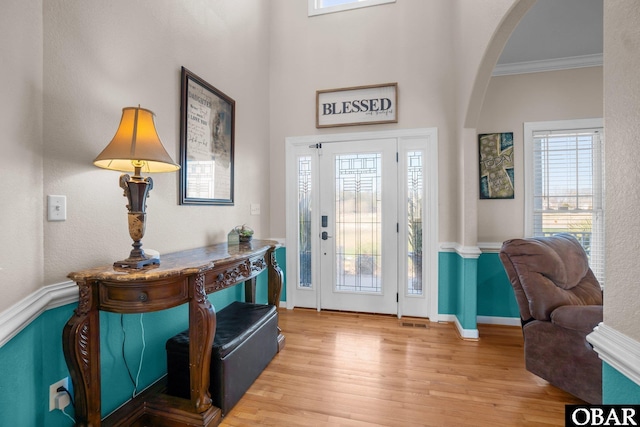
point(136, 262)
point(136, 189)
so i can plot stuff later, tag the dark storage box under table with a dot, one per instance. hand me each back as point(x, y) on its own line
point(246, 340)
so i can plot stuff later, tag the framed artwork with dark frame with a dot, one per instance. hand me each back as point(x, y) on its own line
point(207, 128)
point(496, 165)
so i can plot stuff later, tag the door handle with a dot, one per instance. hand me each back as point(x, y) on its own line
point(325, 235)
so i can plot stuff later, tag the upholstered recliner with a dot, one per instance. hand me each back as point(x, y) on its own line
point(560, 302)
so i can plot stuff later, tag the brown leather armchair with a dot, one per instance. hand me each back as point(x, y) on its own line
point(560, 302)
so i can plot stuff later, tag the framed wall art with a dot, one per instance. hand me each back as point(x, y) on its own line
point(496, 165)
point(207, 127)
point(360, 105)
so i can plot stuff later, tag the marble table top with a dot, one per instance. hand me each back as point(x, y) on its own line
point(188, 261)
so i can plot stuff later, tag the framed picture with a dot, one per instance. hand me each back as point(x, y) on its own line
point(361, 105)
point(496, 165)
point(207, 125)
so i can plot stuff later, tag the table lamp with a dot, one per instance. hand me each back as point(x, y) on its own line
point(136, 147)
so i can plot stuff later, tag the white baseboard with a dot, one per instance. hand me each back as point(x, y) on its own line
point(618, 350)
point(469, 334)
point(494, 320)
point(486, 320)
point(20, 315)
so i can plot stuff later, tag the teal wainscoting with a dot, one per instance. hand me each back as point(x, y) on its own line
point(448, 278)
point(472, 287)
point(457, 288)
point(281, 259)
point(617, 389)
point(29, 363)
point(33, 359)
point(495, 294)
point(467, 312)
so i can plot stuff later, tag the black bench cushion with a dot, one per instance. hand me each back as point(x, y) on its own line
point(234, 324)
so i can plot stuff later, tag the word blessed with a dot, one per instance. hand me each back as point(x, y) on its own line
point(357, 106)
point(602, 415)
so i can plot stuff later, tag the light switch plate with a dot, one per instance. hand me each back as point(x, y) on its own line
point(57, 208)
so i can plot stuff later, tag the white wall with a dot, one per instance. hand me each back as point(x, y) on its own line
point(404, 42)
point(480, 32)
point(21, 211)
point(102, 56)
point(69, 67)
point(622, 157)
point(408, 42)
point(512, 100)
point(98, 57)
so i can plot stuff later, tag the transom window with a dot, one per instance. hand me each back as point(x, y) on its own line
point(319, 7)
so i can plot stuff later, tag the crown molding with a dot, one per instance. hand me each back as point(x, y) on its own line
point(548, 65)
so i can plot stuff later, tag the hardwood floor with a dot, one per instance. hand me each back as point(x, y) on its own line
point(346, 369)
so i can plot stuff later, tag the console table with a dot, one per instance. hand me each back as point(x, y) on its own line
point(182, 277)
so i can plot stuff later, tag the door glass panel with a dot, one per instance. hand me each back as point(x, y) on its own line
point(304, 221)
point(414, 224)
point(358, 223)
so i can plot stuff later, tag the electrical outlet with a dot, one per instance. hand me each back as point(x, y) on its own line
point(59, 399)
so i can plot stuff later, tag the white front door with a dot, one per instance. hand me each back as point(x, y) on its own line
point(358, 230)
point(362, 222)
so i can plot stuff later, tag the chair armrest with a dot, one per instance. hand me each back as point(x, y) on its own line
point(582, 318)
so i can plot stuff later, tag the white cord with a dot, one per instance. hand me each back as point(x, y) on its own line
point(144, 345)
point(68, 416)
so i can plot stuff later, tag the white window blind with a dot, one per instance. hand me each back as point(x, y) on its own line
point(568, 188)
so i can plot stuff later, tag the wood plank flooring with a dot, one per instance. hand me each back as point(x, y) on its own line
point(346, 369)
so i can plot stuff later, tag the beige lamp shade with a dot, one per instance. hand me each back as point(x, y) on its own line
point(136, 143)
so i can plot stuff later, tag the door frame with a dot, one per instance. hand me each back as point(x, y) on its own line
point(426, 137)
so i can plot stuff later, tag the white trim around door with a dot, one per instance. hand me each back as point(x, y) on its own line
point(423, 141)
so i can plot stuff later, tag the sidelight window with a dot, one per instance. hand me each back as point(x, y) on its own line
point(304, 221)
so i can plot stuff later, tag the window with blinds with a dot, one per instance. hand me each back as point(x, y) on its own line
point(566, 185)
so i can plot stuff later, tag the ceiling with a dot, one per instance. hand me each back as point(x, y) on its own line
point(555, 32)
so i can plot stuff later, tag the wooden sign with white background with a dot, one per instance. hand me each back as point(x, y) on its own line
point(359, 105)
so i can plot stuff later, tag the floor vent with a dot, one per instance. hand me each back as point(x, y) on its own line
point(415, 325)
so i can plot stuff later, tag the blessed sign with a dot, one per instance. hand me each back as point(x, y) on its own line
point(357, 105)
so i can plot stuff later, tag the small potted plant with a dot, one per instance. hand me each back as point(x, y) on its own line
point(245, 233)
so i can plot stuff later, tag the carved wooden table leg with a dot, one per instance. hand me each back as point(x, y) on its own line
point(202, 327)
point(81, 346)
point(275, 287)
point(275, 278)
